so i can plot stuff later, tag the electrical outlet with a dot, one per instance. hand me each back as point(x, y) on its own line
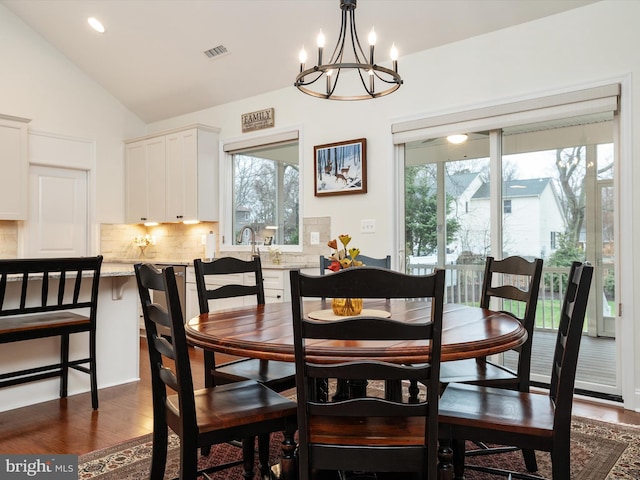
point(368, 226)
point(314, 238)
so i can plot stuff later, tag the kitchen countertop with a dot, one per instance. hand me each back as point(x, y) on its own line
point(110, 269)
point(107, 270)
point(115, 265)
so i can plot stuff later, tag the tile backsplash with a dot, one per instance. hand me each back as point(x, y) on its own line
point(8, 239)
point(175, 242)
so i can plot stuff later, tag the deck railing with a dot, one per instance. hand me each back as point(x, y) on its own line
point(464, 285)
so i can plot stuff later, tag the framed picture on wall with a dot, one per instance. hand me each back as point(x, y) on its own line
point(340, 168)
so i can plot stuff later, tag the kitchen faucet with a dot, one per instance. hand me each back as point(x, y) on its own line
point(254, 249)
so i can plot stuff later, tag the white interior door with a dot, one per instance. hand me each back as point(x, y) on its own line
point(58, 223)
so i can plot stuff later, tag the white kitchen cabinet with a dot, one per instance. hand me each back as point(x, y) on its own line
point(145, 182)
point(184, 172)
point(14, 165)
point(275, 289)
point(274, 286)
point(192, 307)
point(192, 167)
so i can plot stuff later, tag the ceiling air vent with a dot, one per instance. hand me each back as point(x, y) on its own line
point(216, 51)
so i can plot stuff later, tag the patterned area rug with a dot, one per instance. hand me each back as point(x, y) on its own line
point(599, 451)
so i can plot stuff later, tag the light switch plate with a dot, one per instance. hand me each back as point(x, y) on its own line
point(314, 238)
point(368, 226)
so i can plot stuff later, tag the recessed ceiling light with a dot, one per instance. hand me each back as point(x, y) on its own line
point(96, 25)
point(456, 139)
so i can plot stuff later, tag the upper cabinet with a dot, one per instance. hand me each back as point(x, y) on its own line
point(172, 177)
point(146, 180)
point(192, 166)
point(14, 165)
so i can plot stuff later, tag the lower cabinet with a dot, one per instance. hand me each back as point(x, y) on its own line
point(275, 290)
point(274, 285)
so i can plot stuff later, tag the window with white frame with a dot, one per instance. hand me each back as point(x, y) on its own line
point(263, 191)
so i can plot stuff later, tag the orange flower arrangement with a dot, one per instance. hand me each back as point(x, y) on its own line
point(341, 257)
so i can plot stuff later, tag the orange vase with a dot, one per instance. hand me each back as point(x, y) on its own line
point(345, 307)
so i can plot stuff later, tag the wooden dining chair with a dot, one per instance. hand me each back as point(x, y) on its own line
point(278, 376)
point(510, 285)
point(528, 420)
point(366, 434)
point(208, 416)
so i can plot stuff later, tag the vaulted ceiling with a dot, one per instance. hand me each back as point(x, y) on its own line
point(152, 59)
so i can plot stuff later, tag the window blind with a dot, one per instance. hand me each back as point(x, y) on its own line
point(570, 104)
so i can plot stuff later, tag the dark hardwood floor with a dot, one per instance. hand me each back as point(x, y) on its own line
point(71, 426)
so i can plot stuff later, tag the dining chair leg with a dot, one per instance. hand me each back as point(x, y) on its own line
point(288, 462)
point(445, 455)
point(321, 390)
point(263, 455)
point(159, 452)
point(209, 365)
point(188, 457)
point(414, 390)
point(393, 390)
point(248, 456)
point(342, 391)
point(458, 447)
point(530, 460)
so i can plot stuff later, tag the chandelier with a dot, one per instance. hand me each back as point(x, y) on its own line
point(376, 80)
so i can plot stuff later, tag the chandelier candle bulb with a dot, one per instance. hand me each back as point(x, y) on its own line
point(303, 58)
point(394, 57)
point(372, 44)
point(321, 41)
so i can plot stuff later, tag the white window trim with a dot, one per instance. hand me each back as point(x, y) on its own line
point(227, 147)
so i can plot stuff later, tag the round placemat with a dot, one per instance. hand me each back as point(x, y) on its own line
point(329, 315)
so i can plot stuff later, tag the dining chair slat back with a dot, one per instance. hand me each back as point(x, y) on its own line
point(206, 416)
point(228, 266)
point(529, 420)
point(515, 283)
point(366, 433)
point(278, 376)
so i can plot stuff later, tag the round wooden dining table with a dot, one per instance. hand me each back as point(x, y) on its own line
point(266, 332)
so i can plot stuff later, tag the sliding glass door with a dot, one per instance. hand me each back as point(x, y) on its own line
point(538, 190)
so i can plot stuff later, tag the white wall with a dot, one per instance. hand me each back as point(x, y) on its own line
point(574, 49)
point(39, 83)
point(584, 47)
